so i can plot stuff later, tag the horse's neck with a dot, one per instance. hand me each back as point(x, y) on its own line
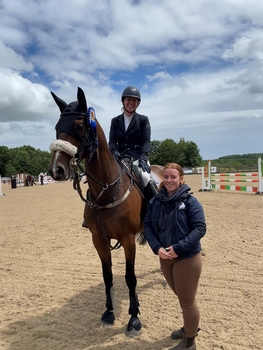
point(102, 166)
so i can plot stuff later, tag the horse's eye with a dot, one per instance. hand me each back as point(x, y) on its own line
point(79, 127)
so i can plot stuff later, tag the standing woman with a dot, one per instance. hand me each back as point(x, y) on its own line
point(173, 227)
point(130, 132)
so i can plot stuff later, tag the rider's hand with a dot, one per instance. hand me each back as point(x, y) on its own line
point(116, 154)
point(144, 165)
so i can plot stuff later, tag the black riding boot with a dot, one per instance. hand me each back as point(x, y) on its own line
point(149, 191)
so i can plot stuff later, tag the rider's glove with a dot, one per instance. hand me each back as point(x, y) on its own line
point(144, 165)
point(116, 154)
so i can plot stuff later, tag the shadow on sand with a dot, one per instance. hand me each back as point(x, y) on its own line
point(76, 325)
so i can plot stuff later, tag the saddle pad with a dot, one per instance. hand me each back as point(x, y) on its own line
point(155, 178)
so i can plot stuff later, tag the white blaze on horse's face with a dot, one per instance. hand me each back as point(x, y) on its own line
point(61, 165)
point(58, 166)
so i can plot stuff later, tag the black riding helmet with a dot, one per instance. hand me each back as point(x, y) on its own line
point(131, 91)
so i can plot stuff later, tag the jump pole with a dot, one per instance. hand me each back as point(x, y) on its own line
point(1, 193)
point(206, 177)
point(260, 176)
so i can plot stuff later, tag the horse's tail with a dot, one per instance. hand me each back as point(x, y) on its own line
point(140, 238)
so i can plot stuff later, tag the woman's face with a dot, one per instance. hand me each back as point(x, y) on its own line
point(130, 104)
point(172, 180)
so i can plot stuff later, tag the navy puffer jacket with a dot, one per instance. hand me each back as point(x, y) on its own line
point(177, 220)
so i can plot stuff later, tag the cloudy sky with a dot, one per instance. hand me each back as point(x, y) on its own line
point(197, 63)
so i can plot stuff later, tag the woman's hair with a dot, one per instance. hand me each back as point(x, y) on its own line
point(173, 166)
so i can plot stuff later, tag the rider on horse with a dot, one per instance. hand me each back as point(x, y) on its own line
point(130, 135)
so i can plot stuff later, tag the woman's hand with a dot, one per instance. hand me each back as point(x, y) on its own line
point(167, 253)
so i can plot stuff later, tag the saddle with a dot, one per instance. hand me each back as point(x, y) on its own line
point(135, 172)
point(132, 170)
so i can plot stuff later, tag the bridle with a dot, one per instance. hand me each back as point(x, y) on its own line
point(110, 202)
point(88, 145)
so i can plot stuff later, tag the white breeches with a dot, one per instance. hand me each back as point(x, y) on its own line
point(146, 177)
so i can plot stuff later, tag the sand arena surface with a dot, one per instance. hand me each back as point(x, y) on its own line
point(52, 293)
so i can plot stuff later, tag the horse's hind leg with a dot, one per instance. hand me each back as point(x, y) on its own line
point(134, 325)
point(105, 256)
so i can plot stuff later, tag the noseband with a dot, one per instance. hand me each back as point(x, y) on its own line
point(88, 145)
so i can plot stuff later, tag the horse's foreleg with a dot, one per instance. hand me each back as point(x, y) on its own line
point(105, 256)
point(131, 282)
point(134, 325)
point(108, 317)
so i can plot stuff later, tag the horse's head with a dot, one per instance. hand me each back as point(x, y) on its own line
point(76, 135)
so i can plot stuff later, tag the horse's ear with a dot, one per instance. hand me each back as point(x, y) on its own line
point(82, 100)
point(61, 104)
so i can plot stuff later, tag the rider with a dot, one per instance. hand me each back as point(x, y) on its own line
point(130, 133)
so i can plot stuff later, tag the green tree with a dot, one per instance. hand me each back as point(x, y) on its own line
point(154, 151)
point(166, 152)
point(25, 159)
point(20, 160)
point(185, 153)
point(9, 170)
point(4, 159)
point(237, 162)
point(191, 154)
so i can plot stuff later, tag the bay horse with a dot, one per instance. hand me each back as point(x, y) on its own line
point(114, 205)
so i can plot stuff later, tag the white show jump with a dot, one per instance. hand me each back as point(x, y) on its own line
point(247, 182)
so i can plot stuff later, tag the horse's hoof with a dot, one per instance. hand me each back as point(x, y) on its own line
point(133, 333)
point(107, 319)
point(134, 327)
point(105, 325)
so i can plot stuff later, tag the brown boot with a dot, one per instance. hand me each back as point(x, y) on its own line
point(178, 333)
point(185, 343)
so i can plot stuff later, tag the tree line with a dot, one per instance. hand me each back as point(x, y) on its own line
point(185, 153)
point(237, 163)
point(27, 159)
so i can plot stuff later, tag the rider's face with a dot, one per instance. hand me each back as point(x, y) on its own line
point(130, 104)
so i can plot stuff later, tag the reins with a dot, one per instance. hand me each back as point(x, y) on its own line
point(87, 143)
point(110, 203)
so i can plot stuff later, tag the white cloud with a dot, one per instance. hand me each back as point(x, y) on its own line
point(12, 60)
point(249, 45)
point(20, 99)
point(198, 65)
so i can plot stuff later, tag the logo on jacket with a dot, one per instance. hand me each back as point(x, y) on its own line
point(181, 206)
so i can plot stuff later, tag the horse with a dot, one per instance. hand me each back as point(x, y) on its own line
point(30, 181)
point(114, 205)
